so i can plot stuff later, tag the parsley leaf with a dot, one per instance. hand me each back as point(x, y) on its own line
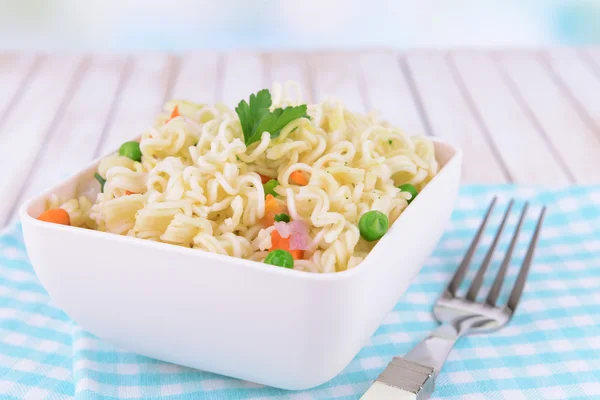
point(243, 111)
point(251, 114)
point(256, 118)
point(279, 118)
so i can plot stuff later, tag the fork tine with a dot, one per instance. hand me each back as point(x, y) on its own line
point(478, 280)
point(497, 285)
point(517, 291)
point(464, 265)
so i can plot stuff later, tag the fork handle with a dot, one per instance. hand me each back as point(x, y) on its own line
point(413, 375)
point(434, 349)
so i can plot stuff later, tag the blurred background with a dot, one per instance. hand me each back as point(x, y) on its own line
point(295, 24)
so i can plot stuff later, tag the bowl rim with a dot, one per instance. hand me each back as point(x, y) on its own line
point(26, 218)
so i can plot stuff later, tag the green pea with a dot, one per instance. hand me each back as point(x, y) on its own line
point(280, 258)
point(270, 186)
point(407, 187)
point(100, 179)
point(282, 218)
point(373, 225)
point(131, 150)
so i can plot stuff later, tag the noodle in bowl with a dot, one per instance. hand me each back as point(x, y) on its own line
point(199, 185)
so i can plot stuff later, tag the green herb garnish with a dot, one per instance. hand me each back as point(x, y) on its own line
point(270, 186)
point(282, 218)
point(256, 117)
point(101, 180)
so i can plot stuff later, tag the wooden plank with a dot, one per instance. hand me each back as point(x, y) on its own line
point(387, 90)
point(142, 98)
point(592, 55)
point(529, 158)
point(76, 137)
point(337, 75)
point(197, 79)
point(567, 131)
point(451, 118)
point(284, 66)
point(30, 121)
point(15, 70)
point(243, 74)
point(574, 72)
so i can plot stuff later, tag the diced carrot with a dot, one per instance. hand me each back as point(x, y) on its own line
point(298, 178)
point(264, 179)
point(270, 202)
point(174, 113)
point(56, 215)
point(278, 242)
point(127, 193)
point(297, 254)
point(272, 208)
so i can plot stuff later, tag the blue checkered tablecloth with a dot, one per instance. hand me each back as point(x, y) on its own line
point(551, 349)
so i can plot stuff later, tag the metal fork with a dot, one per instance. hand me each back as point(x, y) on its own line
point(412, 376)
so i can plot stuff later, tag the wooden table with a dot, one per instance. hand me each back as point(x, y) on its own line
point(528, 117)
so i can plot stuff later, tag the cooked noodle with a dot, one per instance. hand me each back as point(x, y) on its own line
point(198, 185)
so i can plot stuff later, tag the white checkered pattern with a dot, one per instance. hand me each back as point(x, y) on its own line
point(551, 349)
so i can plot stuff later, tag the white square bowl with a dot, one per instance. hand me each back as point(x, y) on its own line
point(274, 326)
